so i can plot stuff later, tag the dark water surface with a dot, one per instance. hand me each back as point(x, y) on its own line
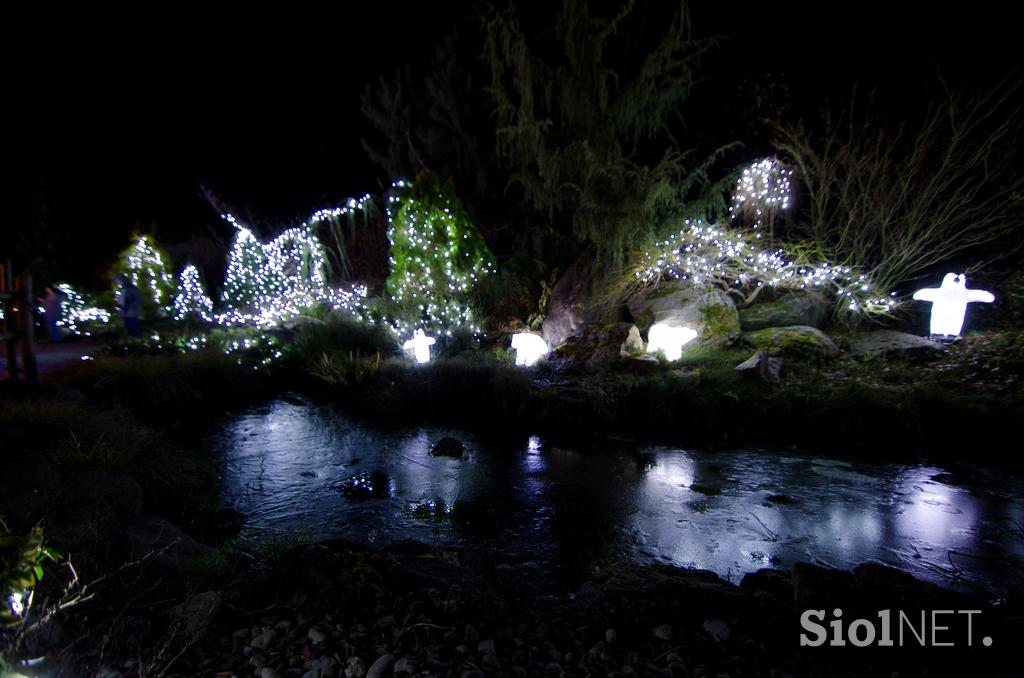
point(304, 471)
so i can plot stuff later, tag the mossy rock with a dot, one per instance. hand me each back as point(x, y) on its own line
point(794, 341)
point(790, 310)
point(677, 303)
point(596, 345)
point(720, 320)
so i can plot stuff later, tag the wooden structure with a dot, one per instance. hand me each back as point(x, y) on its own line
point(17, 302)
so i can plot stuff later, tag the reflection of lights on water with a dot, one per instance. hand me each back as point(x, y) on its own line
point(432, 507)
point(933, 512)
point(759, 558)
point(677, 470)
point(534, 461)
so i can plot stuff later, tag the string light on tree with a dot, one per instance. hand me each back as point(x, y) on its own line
point(244, 283)
point(437, 257)
point(712, 255)
point(145, 267)
point(192, 300)
point(267, 284)
point(76, 314)
point(764, 188)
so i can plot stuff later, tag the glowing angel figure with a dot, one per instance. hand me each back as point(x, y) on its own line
point(949, 304)
point(420, 345)
point(529, 348)
point(669, 340)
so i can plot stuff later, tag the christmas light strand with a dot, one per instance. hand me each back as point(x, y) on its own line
point(267, 284)
point(145, 261)
point(437, 257)
point(762, 189)
point(706, 254)
point(192, 300)
point(76, 314)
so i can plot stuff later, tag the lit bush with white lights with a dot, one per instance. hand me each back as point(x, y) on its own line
point(267, 284)
point(79, 315)
point(437, 258)
point(192, 303)
point(146, 266)
point(725, 257)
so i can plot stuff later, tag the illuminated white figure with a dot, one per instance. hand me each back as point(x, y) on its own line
point(669, 340)
point(529, 348)
point(420, 345)
point(949, 303)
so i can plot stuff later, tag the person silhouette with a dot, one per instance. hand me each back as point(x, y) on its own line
point(129, 304)
point(52, 300)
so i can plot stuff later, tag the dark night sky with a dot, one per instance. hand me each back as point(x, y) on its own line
point(125, 114)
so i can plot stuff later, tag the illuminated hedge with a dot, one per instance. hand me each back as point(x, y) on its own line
point(245, 284)
point(146, 266)
point(192, 302)
point(437, 257)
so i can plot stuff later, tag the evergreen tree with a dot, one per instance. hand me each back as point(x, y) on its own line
point(437, 258)
point(192, 302)
point(245, 280)
point(146, 266)
point(586, 122)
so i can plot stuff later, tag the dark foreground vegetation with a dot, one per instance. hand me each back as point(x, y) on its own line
point(106, 464)
point(906, 404)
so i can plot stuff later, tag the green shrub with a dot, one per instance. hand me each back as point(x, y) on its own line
point(437, 258)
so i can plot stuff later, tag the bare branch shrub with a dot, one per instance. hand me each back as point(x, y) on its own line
point(898, 200)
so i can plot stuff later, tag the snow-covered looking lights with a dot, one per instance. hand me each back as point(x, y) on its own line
point(76, 313)
point(192, 299)
point(420, 346)
point(669, 340)
point(268, 283)
point(949, 304)
point(529, 348)
point(762, 189)
point(709, 254)
point(147, 270)
point(437, 257)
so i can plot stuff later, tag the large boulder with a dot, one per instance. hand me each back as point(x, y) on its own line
point(568, 306)
point(799, 341)
point(677, 303)
point(595, 345)
point(193, 618)
point(887, 343)
point(791, 309)
point(166, 547)
point(763, 366)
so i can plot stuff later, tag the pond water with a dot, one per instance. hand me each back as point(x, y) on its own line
point(306, 471)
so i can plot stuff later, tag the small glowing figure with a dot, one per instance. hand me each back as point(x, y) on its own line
point(529, 348)
point(669, 340)
point(949, 304)
point(420, 345)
